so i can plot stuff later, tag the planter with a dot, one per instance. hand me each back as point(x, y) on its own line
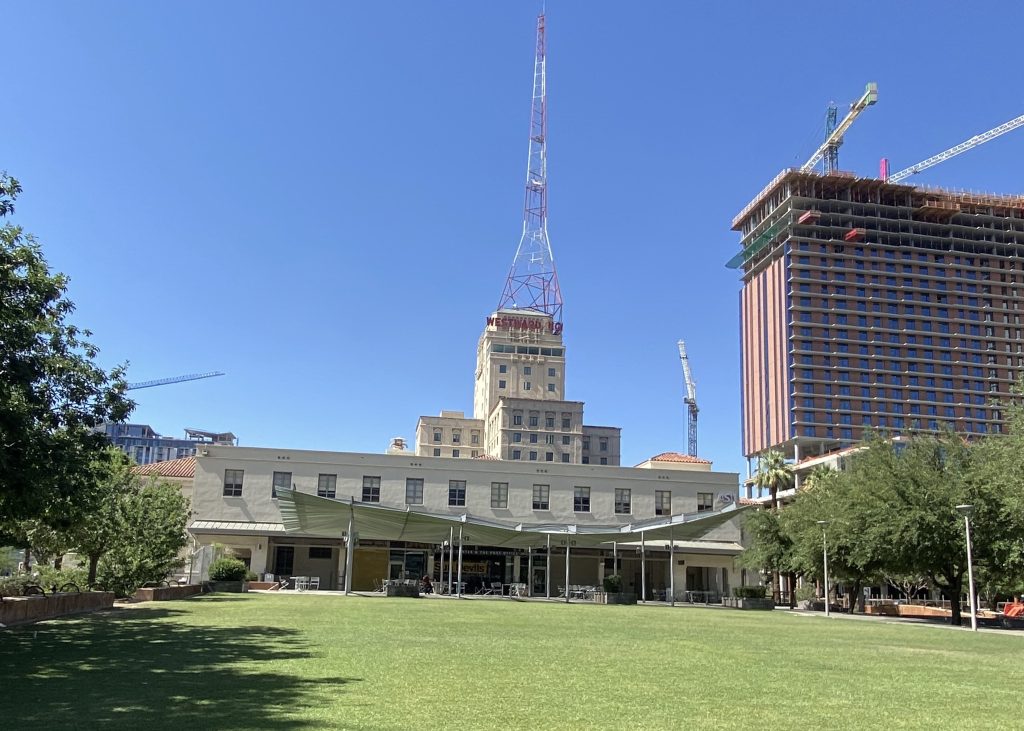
point(164, 593)
point(620, 597)
point(406, 590)
point(235, 587)
point(26, 609)
point(748, 603)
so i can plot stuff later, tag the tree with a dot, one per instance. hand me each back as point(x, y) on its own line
point(773, 473)
point(150, 522)
point(53, 395)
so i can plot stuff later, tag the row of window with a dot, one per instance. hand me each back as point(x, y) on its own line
point(474, 436)
point(527, 370)
point(327, 487)
point(846, 434)
point(527, 350)
point(527, 385)
point(534, 420)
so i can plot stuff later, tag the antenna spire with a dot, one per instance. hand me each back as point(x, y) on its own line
point(532, 282)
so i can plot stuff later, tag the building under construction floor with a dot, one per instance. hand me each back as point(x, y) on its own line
point(875, 305)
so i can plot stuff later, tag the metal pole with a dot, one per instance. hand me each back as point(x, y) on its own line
point(615, 557)
point(529, 571)
point(547, 571)
point(451, 555)
point(440, 576)
point(643, 570)
point(459, 588)
point(824, 545)
point(567, 541)
point(970, 576)
point(672, 564)
point(350, 548)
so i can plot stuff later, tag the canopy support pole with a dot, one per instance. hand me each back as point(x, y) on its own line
point(350, 547)
point(451, 555)
point(529, 571)
point(547, 571)
point(643, 569)
point(672, 564)
point(567, 542)
point(460, 564)
point(615, 557)
point(440, 576)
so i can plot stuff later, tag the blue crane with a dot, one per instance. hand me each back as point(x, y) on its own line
point(174, 379)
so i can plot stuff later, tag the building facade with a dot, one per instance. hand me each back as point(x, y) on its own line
point(145, 446)
point(519, 406)
point(870, 305)
point(234, 505)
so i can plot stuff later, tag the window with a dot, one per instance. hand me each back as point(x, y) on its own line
point(540, 496)
point(604, 460)
point(586, 443)
point(527, 385)
point(455, 453)
point(604, 444)
point(533, 456)
point(501, 384)
point(586, 460)
point(517, 454)
point(533, 439)
point(551, 387)
point(517, 419)
point(457, 492)
point(549, 438)
point(534, 420)
point(281, 480)
point(326, 485)
point(527, 371)
point(456, 437)
point(437, 451)
point(437, 435)
point(549, 422)
point(549, 456)
point(499, 495)
point(566, 440)
point(371, 489)
point(566, 423)
point(517, 436)
point(565, 458)
point(623, 501)
point(581, 499)
point(502, 368)
point(705, 501)
point(663, 502)
point(414, 491)
point(233, 483)
point(320, 552)
point(474, 438)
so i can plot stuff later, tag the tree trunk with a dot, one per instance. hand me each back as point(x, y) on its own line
point(93, 561)
point(28, 559)
point(57, 562)
point(792, 590)
point(773, 492)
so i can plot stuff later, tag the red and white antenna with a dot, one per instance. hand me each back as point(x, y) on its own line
point(532, 282)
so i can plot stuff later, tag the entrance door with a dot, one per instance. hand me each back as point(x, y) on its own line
point(284, 560)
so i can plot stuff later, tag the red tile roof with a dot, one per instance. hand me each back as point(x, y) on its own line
point(184, 467)
point(677, 457)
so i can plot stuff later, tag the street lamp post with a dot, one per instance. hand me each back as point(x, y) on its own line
point(824, 551)
point(967, 511)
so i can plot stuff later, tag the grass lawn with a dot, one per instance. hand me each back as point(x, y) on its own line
point(309, 662)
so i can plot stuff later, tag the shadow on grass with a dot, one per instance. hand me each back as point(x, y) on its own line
point(141, 668)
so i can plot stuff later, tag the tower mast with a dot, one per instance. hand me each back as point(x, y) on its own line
point(532, 282)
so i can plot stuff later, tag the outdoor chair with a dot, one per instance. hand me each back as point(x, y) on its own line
point(314, 583)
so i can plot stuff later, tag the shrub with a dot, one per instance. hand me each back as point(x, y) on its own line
point(749, 592)
point(228, 569)
point(613, 584)
point(251, 575)
point(806, 593)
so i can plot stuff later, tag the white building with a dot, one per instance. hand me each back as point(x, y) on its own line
point(234, 505)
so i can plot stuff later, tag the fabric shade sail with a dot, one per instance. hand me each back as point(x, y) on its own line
point(310, 514)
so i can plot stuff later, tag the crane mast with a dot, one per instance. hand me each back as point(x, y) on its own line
point(835, 139)
point(691, 402)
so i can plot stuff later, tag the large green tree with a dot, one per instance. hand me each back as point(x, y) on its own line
point(52, 392)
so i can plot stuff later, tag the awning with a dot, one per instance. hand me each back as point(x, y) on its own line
point(234, 527)
point(305, 513)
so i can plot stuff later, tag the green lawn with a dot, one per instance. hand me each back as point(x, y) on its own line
point(308, 662)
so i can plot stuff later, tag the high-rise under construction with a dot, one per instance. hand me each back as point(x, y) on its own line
point(869, 304)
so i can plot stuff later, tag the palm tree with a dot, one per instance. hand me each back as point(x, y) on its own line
point(820, 475)
point(773, 472)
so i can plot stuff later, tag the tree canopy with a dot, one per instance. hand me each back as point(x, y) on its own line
point(53, 394)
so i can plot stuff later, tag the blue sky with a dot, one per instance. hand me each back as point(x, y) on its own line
point(323, 199)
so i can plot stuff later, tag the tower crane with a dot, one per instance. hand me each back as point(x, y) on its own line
point(691, 402)
point(173, 379)
point(956, 150)
point(831, 144)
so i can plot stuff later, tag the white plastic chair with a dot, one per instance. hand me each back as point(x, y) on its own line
point(314, 583)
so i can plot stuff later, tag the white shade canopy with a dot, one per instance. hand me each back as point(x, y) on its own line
point(310, 514)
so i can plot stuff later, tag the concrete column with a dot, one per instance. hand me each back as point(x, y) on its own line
point(258, 557)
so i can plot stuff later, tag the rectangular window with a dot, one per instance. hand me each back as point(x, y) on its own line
point(533, 420)
point(517, 454)
point(540, 497)
point(437, 435)
point(281, 480)
point(623, 501)
point(603, 444)
point(527, 385)
point(320, 552)
point(502, 368)
point(517, 436)
point(517, 419)
point(565, 458)
point(533, 456)
point(233, 483)
point(581, 499)
point(551, 387)
point(566, 440)
point(456, 437)
point(549, 422)
point(457, 493)
point(566, 422)
point(551, 372)
point(549, 438)
point(527, 371)
point(499, 495)
point(326, 485)
point(604, 460)
point(663, 502)
point(586, 443)
point(414, 491)
point(371, 489)
point(705, 501)
point(549, 456)
point(455, 453)
point(501, 384)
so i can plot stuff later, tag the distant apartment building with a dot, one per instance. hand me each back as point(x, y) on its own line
point(871, 305)
point(145, 446)
point(519, 406)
